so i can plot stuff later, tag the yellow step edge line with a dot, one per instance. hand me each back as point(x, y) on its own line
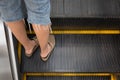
point(82, 32)
point(19, 52)
point(24, 76)
point(68, 74)
point(118, 74)
point(113, 77)
point(88, 32)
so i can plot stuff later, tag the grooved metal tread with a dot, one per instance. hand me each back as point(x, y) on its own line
point(85, 8)
point(78, 53)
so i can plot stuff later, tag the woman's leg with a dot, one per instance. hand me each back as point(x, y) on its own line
point(39, 17)
point(42, 33)
point(18, 29)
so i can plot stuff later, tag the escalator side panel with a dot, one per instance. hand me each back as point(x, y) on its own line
point(5, 69)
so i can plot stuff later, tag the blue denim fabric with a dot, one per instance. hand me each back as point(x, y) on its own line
point(36, 11)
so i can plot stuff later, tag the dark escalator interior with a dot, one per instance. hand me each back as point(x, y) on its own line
point(87, 43)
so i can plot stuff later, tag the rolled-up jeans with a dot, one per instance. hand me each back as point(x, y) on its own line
point(36, 11)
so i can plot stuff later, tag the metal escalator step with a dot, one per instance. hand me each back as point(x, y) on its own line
point(85, 8)
point(78, 53)
point(70, 78)
point(85, 23)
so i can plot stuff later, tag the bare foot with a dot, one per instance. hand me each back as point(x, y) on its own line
point(46, 51)
point(29, 47)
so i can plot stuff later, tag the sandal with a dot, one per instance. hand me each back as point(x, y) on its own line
point(34, 48)
point(51, 43)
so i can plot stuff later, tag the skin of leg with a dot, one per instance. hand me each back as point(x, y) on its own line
point(18, 29)
point(42, 33)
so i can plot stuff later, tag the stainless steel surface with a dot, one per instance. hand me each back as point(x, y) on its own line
point(14, 66)
point(8, 65)
point(5, 70)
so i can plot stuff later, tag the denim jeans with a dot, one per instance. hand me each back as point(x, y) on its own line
point(36, 11)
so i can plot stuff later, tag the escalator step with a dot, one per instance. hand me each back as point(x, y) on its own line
point(84, 24)
point(85, 8)
point(78, 53)
point(70, 78)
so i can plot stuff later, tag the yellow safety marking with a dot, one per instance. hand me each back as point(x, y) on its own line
point(113, 77)
point(24, 76)
point(19, 52)
point(88, 32)
point(68, 74)
point(82, 32)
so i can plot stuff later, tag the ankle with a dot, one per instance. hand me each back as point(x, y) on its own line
point(29, 44)
point(45, 49)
